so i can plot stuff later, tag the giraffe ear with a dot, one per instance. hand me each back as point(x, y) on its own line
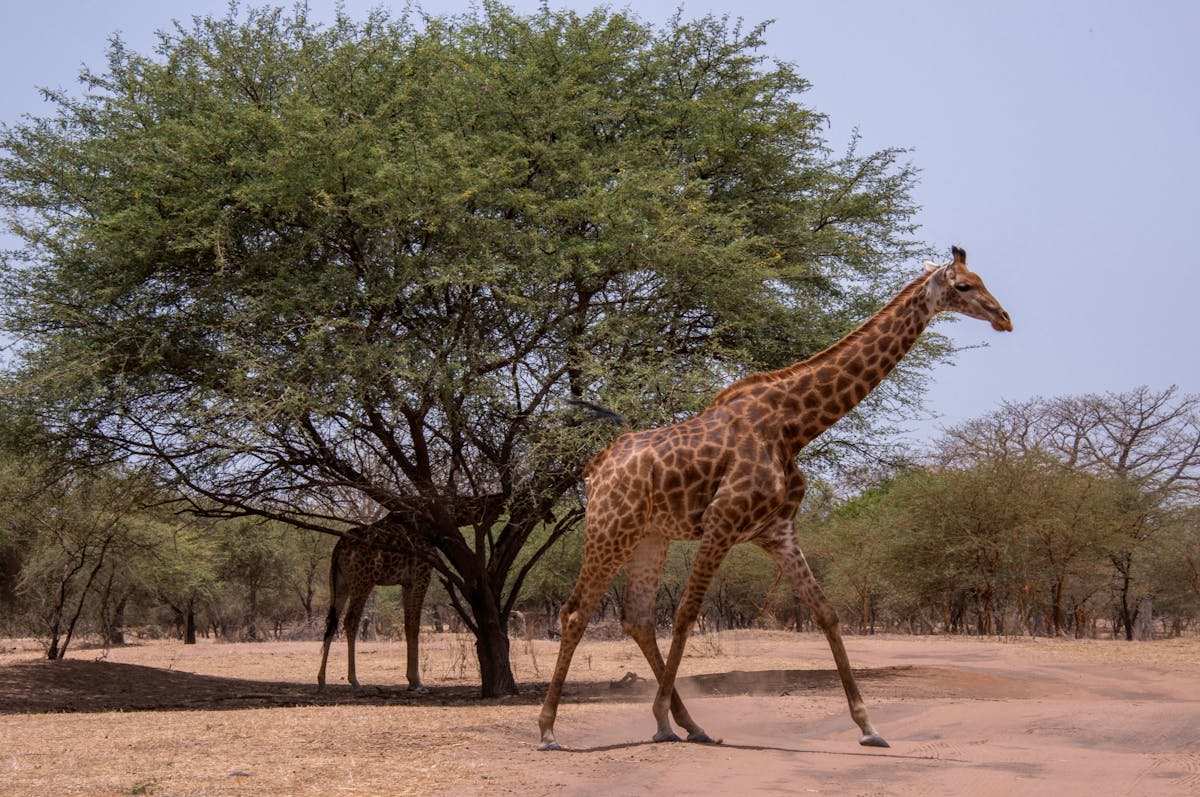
point(931, 267)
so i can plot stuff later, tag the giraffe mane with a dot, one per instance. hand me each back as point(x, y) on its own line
point(746, 384)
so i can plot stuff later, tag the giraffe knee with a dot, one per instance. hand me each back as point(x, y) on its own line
point(573, 620)
point(826, 616)
point(638, 627)
point(564, 617)
point(563, 614)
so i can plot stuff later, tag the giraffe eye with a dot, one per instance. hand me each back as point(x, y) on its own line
point(962, 287)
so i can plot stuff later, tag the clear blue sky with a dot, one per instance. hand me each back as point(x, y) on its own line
point(1058, 142)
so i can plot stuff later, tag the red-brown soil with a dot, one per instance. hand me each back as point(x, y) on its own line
point(964, 716)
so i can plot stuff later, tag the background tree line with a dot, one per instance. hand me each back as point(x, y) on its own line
point(1071, 515)
point(99, 557)
point(1067, 516)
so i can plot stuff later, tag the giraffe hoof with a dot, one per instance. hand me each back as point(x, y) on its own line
point(667, 736)
point(419, 689)
point(873, 740)
point(701, 737)
point(550, 746)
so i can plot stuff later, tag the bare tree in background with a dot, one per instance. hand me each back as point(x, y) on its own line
point(1147, 440)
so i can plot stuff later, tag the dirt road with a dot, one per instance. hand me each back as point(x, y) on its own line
point(963, 716)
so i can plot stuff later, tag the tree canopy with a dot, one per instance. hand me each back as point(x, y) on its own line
point(286, 263)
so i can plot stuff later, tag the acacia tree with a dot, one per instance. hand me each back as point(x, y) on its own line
point(287, 261)
point(849, 546)
point(83, 541)
point(1143, 443)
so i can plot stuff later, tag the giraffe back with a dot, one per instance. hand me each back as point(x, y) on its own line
point(382, 554)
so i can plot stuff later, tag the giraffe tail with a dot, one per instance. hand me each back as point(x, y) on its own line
point(336, 591)
point(597, 412)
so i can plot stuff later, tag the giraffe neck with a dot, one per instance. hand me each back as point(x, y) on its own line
point(808, 397)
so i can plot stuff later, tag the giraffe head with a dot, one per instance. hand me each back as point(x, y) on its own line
point(962, 291)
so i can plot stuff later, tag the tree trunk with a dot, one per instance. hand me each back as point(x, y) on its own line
point(189, 625)
point(1127, 613)
point(114, 626)
point(1056, 607)
point(495, 668)
point(491, 645)
point(1124, 566)
point(1143, 621)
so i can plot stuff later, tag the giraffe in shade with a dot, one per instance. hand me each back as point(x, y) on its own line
point(380, 553)
point(728, 475)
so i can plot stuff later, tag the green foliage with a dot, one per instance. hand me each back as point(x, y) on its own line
point(81, 548)
point(94, 555)
point(271, 232)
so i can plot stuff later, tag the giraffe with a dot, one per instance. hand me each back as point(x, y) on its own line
point(377, 553)
point(728, 475)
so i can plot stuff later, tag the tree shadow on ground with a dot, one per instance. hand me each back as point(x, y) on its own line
point(70, 685)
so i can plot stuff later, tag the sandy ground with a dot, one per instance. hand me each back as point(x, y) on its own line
point(963, 716)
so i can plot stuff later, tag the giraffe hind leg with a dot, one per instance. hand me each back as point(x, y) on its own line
point(414, 600)
point(640, 598)
point(337, 600)
point(354, 614)
point(331, 623)
point(709, 556)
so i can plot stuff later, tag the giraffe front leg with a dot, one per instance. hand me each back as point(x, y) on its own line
point(827, 620)
point(786, 552)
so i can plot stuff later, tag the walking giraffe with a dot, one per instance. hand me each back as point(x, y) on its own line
point(729, 475)
point(380, 553)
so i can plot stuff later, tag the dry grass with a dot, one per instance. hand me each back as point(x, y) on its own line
point(386, 742)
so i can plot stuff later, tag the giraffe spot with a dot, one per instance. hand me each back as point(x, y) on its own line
point(747, 448)
point(754, 414)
